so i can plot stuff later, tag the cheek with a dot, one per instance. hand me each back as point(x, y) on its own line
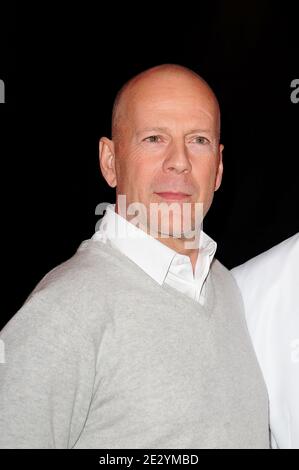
point(205, 173)
point(138, 176)
point(126, 164)
point(143, 166)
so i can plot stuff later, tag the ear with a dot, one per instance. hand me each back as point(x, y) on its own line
point(107, 161)
point(219, 169)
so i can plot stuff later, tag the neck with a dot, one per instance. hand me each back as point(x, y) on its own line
point(178, 245)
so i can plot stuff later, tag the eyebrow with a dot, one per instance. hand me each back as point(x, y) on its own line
point(166, 129)
point(158, 129)
point(194, 131)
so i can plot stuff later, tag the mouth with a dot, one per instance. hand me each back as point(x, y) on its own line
point(170, 196)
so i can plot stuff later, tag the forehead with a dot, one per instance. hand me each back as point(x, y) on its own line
point(172, 104)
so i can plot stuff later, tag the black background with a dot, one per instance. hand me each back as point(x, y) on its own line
point(62, 69)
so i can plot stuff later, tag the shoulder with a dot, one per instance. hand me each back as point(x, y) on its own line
point(268, 267)
point(226, 283)
point(268, 286)
point(72, 296)
point(223, 275)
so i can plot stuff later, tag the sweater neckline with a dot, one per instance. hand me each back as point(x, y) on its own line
point(170, 291)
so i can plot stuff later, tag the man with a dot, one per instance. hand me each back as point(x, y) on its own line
point(139, 340)
point(269, 285)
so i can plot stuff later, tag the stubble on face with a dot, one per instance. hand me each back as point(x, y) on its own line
point(143, 101)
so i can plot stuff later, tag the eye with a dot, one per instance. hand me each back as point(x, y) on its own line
point(201, 140)
point(152, 139)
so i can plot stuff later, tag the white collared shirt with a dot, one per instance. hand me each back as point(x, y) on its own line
point(160, 262)
point(269, 284)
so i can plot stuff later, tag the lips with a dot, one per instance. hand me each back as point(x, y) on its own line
point(171, 196)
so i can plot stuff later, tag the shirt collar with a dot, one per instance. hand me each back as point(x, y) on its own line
point(135, 243)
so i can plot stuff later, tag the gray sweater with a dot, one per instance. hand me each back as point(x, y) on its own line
point(102, 356)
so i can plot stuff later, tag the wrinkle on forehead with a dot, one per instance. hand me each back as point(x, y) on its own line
point(168, 83)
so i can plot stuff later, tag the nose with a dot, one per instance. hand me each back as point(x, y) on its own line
point(177, 159)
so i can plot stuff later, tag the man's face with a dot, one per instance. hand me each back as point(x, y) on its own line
point(169, 143)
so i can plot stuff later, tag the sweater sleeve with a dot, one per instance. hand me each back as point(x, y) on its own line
point(46, 378)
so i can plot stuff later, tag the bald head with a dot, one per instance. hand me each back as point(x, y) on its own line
point(165, 140)
point(175, 78)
